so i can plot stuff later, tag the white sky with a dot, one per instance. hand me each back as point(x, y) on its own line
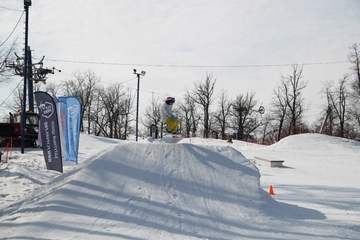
point(156, 35)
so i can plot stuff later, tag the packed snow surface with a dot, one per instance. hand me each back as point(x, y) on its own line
point(194, 189)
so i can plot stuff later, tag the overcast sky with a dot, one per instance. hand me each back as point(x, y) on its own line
point(246, 45)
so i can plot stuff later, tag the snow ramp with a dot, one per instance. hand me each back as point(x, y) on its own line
point(155, 191)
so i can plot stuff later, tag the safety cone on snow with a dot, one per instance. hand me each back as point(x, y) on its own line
point(271, 190)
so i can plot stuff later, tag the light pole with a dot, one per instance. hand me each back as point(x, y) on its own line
point(137, 104)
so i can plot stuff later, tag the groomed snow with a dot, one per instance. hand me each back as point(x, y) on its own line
point(195, 189)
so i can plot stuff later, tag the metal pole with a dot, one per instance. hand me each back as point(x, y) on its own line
point(23, 114)
point(30, 83)
point(137, 107)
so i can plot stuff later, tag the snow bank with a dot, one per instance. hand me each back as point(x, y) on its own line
point(196, 189)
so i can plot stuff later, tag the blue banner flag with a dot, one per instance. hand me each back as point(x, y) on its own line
point(73, 113)
point(49, 128)
point(61, 111)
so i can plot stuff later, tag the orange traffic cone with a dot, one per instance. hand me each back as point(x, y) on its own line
point(271, 191)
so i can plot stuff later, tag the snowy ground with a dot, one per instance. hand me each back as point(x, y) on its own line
point(195, 189)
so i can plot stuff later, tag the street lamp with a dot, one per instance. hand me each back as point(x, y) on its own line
point(137, 104)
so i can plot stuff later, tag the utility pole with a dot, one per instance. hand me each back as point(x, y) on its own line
point(30, 72)
point(30, 82)
point(27, 4)
point(137, 104)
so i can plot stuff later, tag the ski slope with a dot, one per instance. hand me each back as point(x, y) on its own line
point(195, 189)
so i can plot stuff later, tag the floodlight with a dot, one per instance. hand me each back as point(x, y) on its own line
point(27, 2)
point(137, 102)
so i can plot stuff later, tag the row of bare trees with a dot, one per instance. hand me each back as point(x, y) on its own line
point(237, 116)
point(340, 116)
point(109, 111)
point(343, 101)
point(105, 111)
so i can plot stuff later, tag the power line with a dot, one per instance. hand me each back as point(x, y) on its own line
point(4, 102)
point(195, 66)
point(13, 29)
point(11, 9)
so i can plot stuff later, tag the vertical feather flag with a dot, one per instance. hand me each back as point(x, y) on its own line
point(61, 111)
point(49, 127)
point(73, 113)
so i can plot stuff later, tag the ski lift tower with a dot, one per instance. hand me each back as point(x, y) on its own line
point(27, 4)
point(31, 73)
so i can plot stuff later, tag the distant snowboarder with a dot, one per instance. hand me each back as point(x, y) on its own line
point(167, 117)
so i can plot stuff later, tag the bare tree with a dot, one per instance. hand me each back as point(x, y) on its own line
point(354, 58)
point(243, 115)
point(354, 106)
point(291, 87)
point(279, 110)
point(50, 87)
point(82, 86)
point(223, 114)
point(327, 125)
point(7, 56)
point(126, 116)
point(98, 117)
point(203, 96)
point(17, 100)
point(152, 114)
point(110, 117)
point(189, 116)
point(338, 99)
point(268, 134)
point(112, 108)
point(354, 110)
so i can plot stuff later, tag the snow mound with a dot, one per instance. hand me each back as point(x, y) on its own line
point(315, 142)
point(135, 189)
